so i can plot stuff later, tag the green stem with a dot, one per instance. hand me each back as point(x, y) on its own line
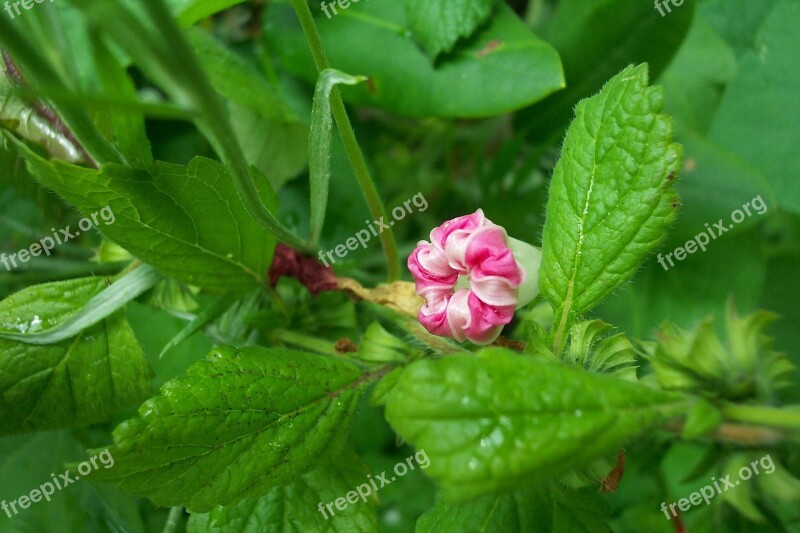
point(301, 340)
point(349, 140)
point(776, 417)
point(173, 519)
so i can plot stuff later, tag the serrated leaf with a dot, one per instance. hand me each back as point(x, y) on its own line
point(491, 422)
point(76, 382)
point(611, 196)
point(295, 507)
point(239, 423)
point(186, 221)
point(439, 24)
point(544, 509)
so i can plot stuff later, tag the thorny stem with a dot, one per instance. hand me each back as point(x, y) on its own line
point(349, 140)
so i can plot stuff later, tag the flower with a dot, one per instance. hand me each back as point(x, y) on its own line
point(473, 277)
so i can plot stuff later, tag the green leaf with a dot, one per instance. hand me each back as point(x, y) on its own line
point(28, 461)
point(203, 233)
point(272, 136)
point(482, 79)
point(295, 507)
point(737, 21)
point(75, 382)
point(763, 130)
point(591, 349)
point(319, 145)
point(695, 81)
point(742, 495)
point(611, 196)
point(159, 48)
point(702, 419)
point(238, 424)
point(496, 420)
point(439, 24)
point(189, 12)
point(550, 508)
point(201, 319)
point(127, 127)
point(98, 308)
point(595, 40)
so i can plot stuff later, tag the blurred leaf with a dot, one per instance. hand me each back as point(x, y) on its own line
point(741, 495)
point(695, 81)
point(439, 24)
point(76, 382)
point(496, 420)
point(737, 21)
point(544, 509)
point(205, 316)
point(238, 424)
point(295, 507)
point(403, 80)
point(127, 126)
point(596, 39)
point(695, 288)
point(205, 236)
point(28, 461)
point(190, 11)
point(611, 196)
point(759, 117)
point(152, 340)
point(272, 137)
point(702, 419)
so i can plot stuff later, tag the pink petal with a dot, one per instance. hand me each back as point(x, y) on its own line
point(440, 234)
point(433, 316)
point(495, 290)
point(469, 318)
point(488, 255)
point(429, 266)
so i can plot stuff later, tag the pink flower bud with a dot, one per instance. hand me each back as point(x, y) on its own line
point(473, 277)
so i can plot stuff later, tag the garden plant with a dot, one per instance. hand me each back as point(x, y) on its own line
point(399, 265)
